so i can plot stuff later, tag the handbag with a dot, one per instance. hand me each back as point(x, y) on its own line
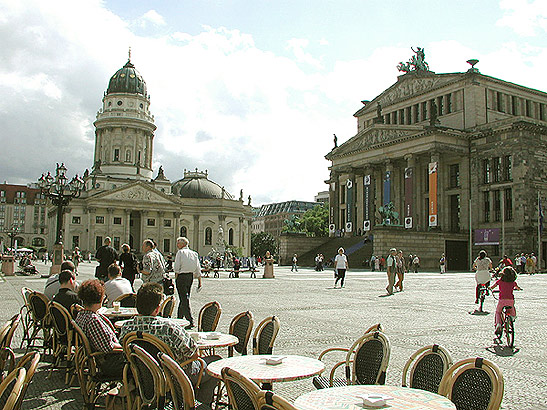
point(168, 286)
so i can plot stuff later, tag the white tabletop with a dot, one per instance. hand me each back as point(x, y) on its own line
point(123, 312)
point(224, 340)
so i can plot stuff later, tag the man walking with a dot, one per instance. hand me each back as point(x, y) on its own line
point(391, 267)
point(186, 267)
point(106, 255)
point(294, 263)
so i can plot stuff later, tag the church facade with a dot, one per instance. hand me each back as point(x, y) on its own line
point(444, 163)
point(123, 200)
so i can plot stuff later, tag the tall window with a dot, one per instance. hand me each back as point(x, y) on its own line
point(454, 175)
point(408, 115)
point(507, 168)
point(231, 236)
point(183, 231)
point(116, 154)
point(497, 205)
point(499, 98)
point(117, 243)
point(496, 169)
point(342, 193)
point(426, 180)
point(514, 105)
point(448, 103)
point(75, 241)
point(486, 206)
point(528, 108)
point(167, 245)
point(208, 236)
point(455, 213)
point(508, 205)
point(416, 113)
point(424, 111)
point(440, 106)
point(98, 242)
point(486, 171)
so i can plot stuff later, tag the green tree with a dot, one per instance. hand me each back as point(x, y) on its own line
point(262, 242)
point(315, 221)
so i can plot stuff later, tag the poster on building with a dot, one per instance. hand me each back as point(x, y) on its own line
point(489, 236)
point(408, 196)
point(433, 193)
point(349, 202)
point(387, 188)
point(366, 202)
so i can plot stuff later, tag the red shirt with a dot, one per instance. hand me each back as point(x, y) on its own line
point(506, 289)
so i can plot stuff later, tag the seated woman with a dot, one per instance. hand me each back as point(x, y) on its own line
point(99, 330)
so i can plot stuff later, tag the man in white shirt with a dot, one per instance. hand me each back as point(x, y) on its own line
point(391, 267)
point(52, 284)
point(186, 267)
point(116, 285)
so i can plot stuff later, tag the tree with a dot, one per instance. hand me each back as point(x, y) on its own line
point(315, 221)
point(262, 242)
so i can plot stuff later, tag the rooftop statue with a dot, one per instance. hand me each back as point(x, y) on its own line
point(416, 63)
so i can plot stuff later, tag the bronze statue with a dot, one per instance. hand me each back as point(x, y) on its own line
point(335, 141)
point(416, 63)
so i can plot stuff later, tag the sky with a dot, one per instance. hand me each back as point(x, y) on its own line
point(250, 90)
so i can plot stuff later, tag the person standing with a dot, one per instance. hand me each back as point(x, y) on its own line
point(415, 263)
point(373, 263)
point(400, 270)
point(187, 267)
point(340, 267)
point(268, 266)
point(129, 264)
point(294, 263)
point(442, 263)
point(152, 267)
point(106, 255)
point(76, 258)
point(391, 267)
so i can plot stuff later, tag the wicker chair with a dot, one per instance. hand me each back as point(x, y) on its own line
point(26, 315)
point(473, 384)
point(241, 326)
point(267, 400)
point(11, 389)
point(63, 338)
point(148, 377)
point(209, 316)
point(6, 334)
point(39, 309)
point(127, 300)
point(428, 367)
point(366, 362)
point(7, 362)
point(178, 383)
point(29, 362)
point(75, 309)
point(265, 334)
point(242, 392)
point(167, 306)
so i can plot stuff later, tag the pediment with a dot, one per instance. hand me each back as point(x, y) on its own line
point(136, 192)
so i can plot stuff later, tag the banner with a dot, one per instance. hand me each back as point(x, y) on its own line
point(366, 202)
point(408, 196)
point(433, 193)
point(489, 236)
point(387, 188)
point(349, 202)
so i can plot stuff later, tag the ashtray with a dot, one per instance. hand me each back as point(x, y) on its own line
point(374, 400)
point(273, 360)
point(212, 336)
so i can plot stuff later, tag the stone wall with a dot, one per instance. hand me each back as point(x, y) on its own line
point(289, 244)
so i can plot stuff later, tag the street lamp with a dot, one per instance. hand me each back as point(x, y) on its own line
point(60, 191)
point(12, 233)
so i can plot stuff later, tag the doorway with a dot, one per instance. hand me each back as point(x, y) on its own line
point(456, 255)
point(135, 230)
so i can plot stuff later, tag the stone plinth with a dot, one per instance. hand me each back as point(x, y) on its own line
point(8, 265)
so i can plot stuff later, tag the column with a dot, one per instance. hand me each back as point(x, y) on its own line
point(197, 243)
point(176, 225)
point(435, 194)
point(160, 230)
point(334, 198)
point(91, 229)
point(109, 213)
point(127, 225)
point(240, 227)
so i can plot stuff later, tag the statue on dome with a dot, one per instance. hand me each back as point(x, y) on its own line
point(416, 63)
point(241, 194)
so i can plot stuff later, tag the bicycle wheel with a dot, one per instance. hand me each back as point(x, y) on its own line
point(509, 331)
point(481, 300)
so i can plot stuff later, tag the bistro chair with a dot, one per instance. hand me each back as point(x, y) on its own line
point(26, 315)
point(267, 400)
point(11, 389)
point(148, 376)
point(178, 384)
point(63, 338)
point(127, 300)
point(39, 309)
point(6, 334)
point(473, 384)
point(209, 316)
point(29, 362)
point(429, 364)
point(75, 308)
point(242, 391)
point(265, 334)
point(241, 327)
point(167, 306)
point(7, 362)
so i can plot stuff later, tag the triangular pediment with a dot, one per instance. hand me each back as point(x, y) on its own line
point(137, 191)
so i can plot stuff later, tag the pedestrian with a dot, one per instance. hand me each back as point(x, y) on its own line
point(382, 262)
point(340, 267)
point(152, 269)
point(294, 262)
point(106, 255)
point(523, 263)
point(391, 268)
point(373, 263)
point(400, 270)
point(76, 258)
point(442, 263)
point(518, 263)
point(129, 264)
point(482, 266)
point(529, 264)
point(268, 266)
point(187, 267)
point(321, 262)
point(415, 263)
point(377, 263)
point(534, 262)
point(116, 284)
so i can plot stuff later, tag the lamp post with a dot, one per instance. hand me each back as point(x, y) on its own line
point(60, 191)
point(12, 233)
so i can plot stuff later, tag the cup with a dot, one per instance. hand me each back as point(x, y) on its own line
point(116, 306)
point(194, 336)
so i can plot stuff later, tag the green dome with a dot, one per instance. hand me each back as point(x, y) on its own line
point(127, 80)
point(196, 185)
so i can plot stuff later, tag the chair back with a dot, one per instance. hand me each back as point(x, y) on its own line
point(367, 359)
point(29, 362)
point(167, 306)
point(25, 292)
point(75, 308)
point(209, 316)
point(148, 376)
point(7, 362)
point(265, 334)
point(475, 384)
point(241, 327)
point(148, 342)
point(6, 335)
point(428, 367)
point(11, 388)
point(267, 400)
point(61, 321)
point(84, 359)
point(127, 300)
point(178, 383)
point(38, 303)
point(242, 392)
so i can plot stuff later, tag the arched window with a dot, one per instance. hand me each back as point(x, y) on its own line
point(38, 242)
point(208, 236)
point(231, 236)
point(184, 231)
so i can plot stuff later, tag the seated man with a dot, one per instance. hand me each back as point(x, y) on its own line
point(149, 298)
point(116, 285)
point(66, 295)
point(99, 330)
point(52, 283)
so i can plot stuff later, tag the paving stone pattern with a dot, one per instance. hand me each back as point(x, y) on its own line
point(433, 308)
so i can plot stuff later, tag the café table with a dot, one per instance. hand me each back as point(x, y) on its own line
point(123, 312)
point(347, 398)
point(183, 322)
point(254, 367)
point(204, 341)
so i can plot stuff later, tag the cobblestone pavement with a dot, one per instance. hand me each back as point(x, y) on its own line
point(433, 308)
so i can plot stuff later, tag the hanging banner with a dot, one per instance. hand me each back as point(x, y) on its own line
point(366, 202)
point(387, 188)
point(487, 236)
point(349, 204)
point(408, 196)
point(433, 193)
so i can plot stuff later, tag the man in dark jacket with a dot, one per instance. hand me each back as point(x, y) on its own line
point(106, 255)
point(66, 295)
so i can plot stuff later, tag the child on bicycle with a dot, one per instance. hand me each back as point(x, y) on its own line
point(482, 265)
point(506, 284)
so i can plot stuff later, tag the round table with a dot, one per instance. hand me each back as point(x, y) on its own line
point(224, 340)
point(127, 312)
point(338, 398)
point(183, 322)
point(255, 368)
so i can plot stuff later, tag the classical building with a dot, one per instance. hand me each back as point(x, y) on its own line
point(444, 163)
point(271, 217)
point(22, 216)
point(123, 200)
point(322, 197)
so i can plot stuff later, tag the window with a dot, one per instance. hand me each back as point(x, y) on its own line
point(151, 222)
point(167, 245)
point(116, 154)
point(394, 115)
point(486, 204)
point(424, 111)
point(448, 103)
point(231, 236)
point(508, 205)
point(486, 171)
point(426, 181)
point(408, 115)
point(508, 168)
point(417, 113)
point(167, 223)
point(455, 213)
point(117, 220)
point(116, 243)
point(98, 242)
point(183, 231)
point(541, 112)
point(440, 106)
point(497, 206)
point(496, 169)
point(499, 100)
point(99, 219)
point(454, 176)
point(528, 108)
point(75, 241)
point(514, 105)
point(401, 116)
point(342, 193)
point(76, 220)
point(208, 236)
point(388, 118)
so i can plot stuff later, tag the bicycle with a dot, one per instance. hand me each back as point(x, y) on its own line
point(483, 292)
point(507, 327)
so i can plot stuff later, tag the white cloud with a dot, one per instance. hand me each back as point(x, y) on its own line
point(297, 46)
point(526, 18)
point(151, 17)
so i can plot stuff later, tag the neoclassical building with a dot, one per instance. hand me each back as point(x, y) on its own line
point(122, 198)
point(444, 163)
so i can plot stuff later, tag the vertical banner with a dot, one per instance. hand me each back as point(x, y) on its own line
point(387, 188)
point(349, 205)
point(408, 196)
point(433, 193)
point(366, 202)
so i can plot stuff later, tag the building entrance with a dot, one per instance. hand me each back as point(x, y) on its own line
point(135, 230)
point(457, 255)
